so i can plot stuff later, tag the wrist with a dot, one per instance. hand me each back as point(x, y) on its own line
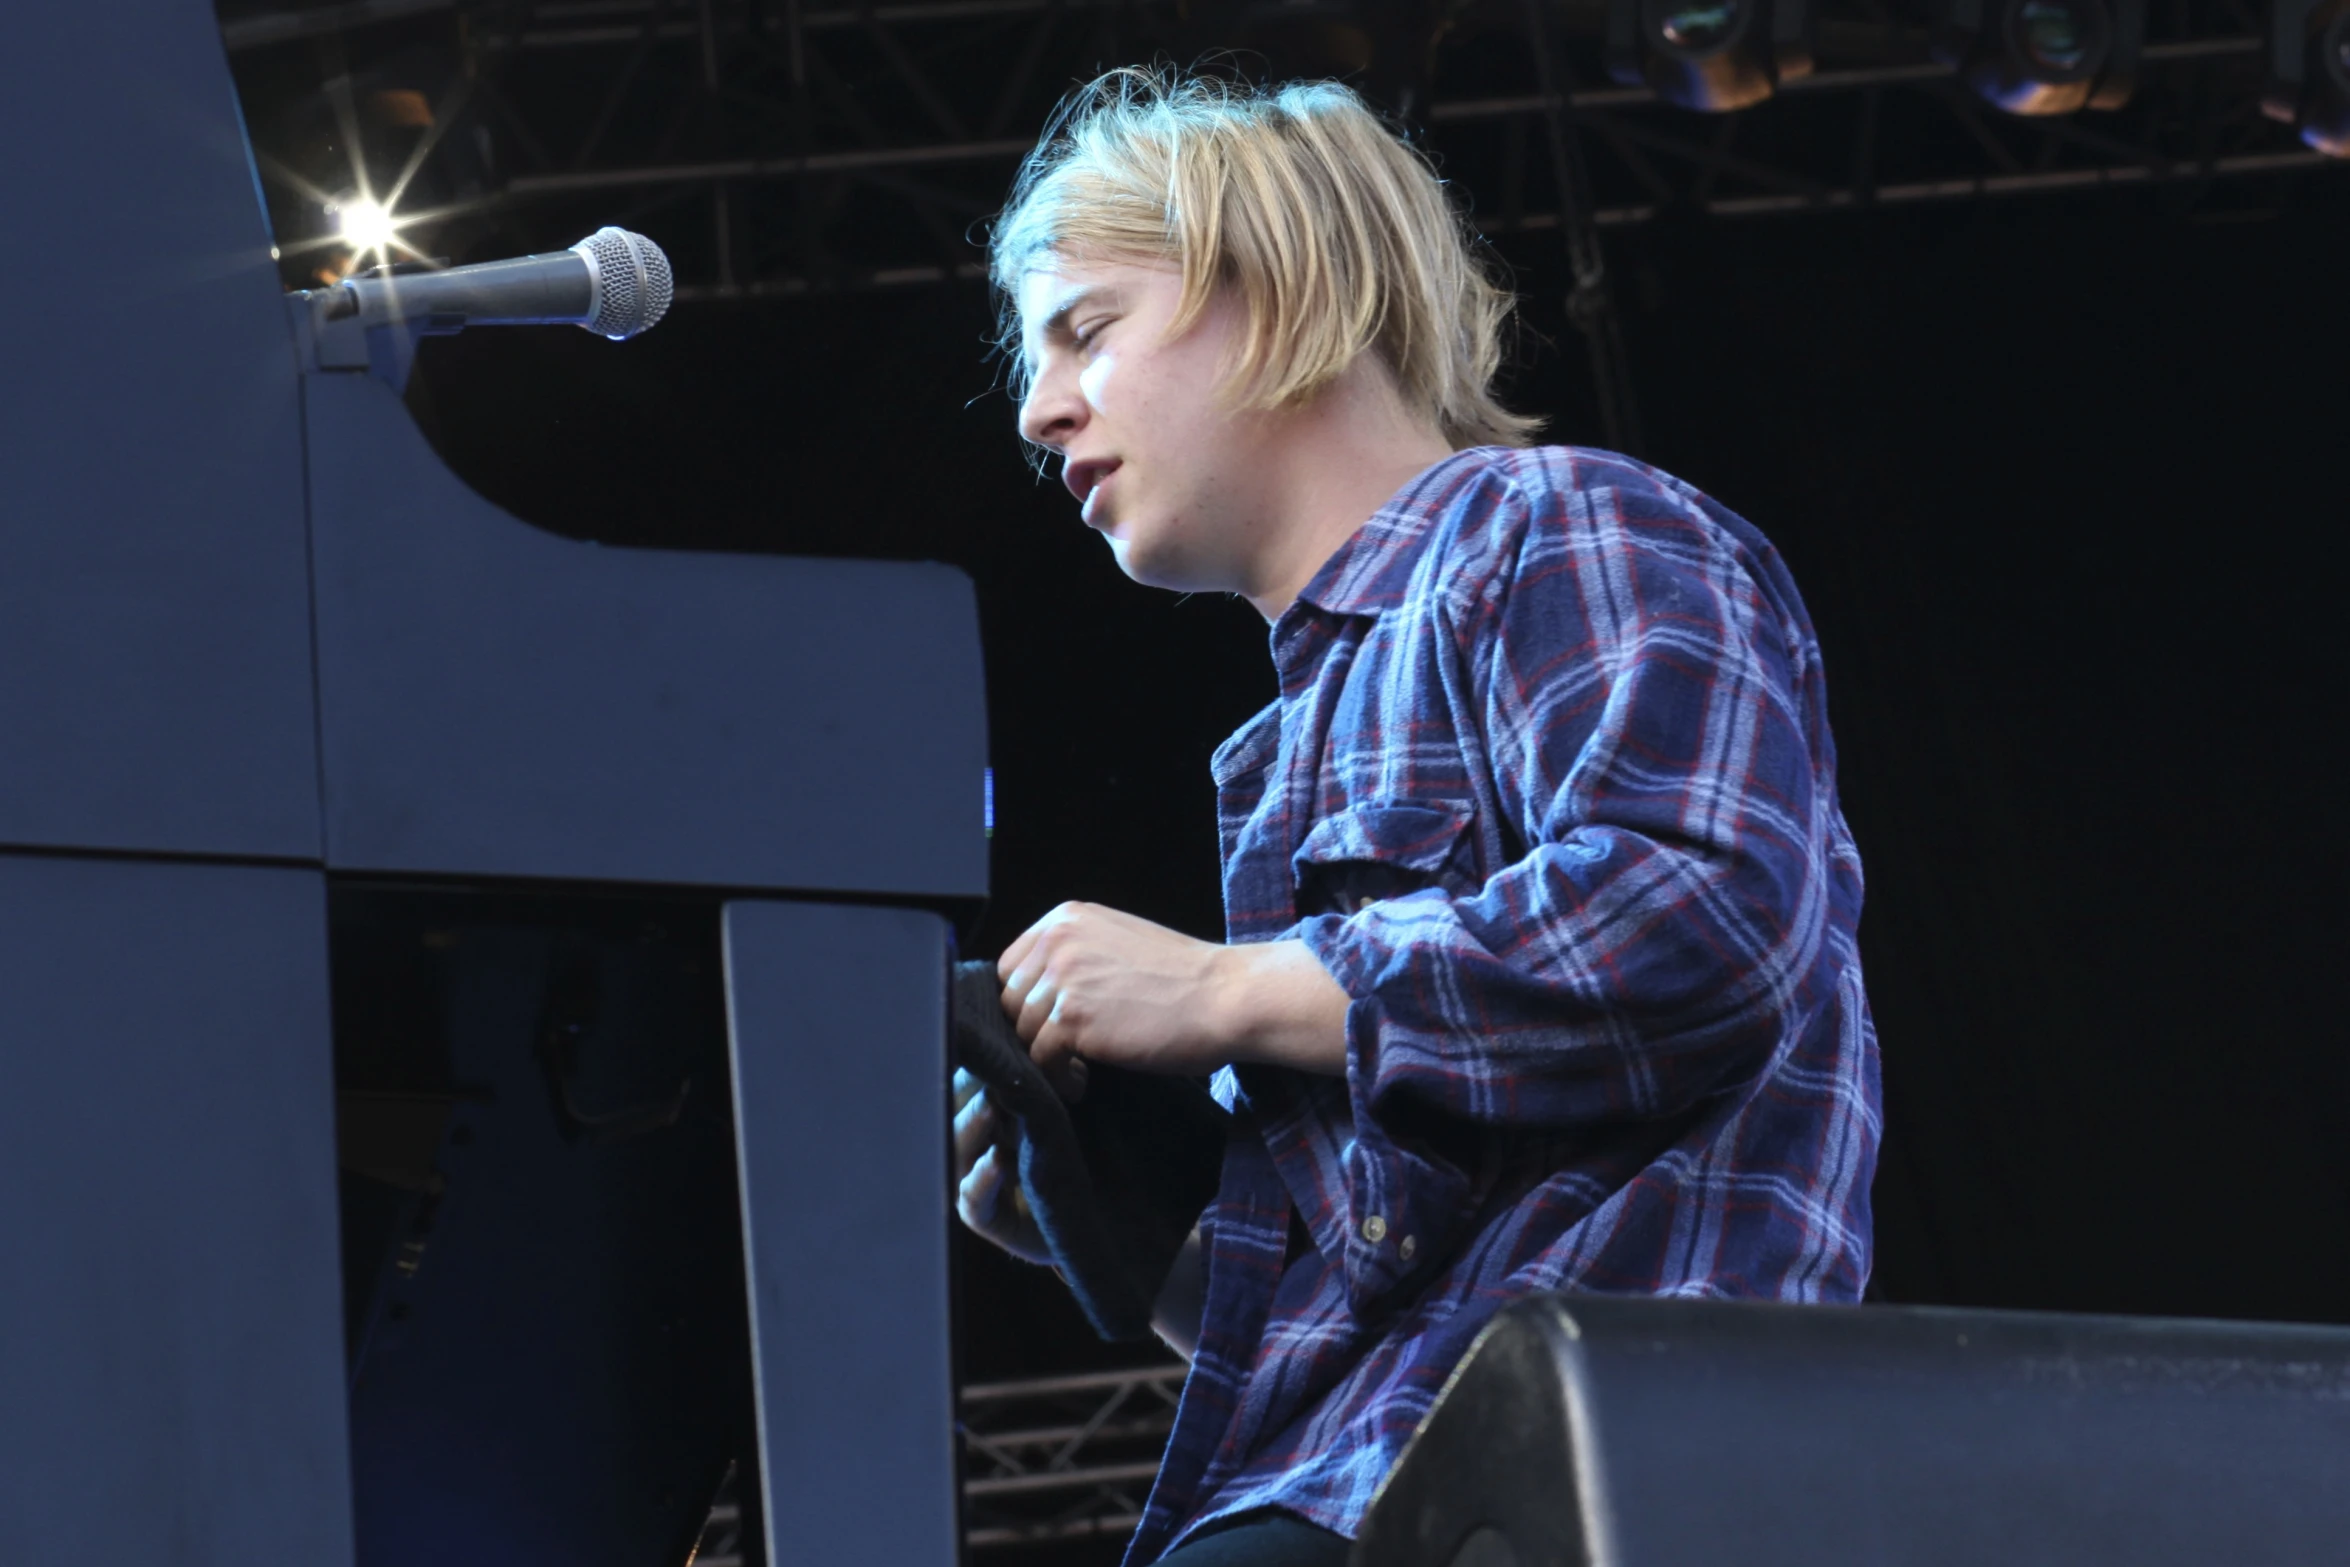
point(1273, 1004)
point(1227, 1010)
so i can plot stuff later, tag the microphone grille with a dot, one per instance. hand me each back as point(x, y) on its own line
point(633, 285)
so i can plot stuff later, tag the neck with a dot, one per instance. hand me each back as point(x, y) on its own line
point(1343, 454)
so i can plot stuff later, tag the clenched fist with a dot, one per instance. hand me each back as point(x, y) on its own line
point(1087, 983)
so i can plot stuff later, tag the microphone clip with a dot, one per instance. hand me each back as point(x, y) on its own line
point(340, 329)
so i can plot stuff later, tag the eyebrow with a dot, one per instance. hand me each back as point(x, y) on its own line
point(1084, 294)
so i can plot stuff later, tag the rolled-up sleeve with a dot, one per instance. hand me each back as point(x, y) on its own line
point(1645, 701)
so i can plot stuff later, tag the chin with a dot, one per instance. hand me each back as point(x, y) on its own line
point(1154, 573)
point(1153, 561)
point(1142, 563)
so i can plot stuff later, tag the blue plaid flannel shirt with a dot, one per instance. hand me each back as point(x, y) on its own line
point(1549, 789)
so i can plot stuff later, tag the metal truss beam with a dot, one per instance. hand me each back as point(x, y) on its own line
point(1600, 99)
point(1586, 108)
point(1058, 1457)
point(587, 24)
point(275, 27)
point(1046, 1458)
point(1976, 188)
point(795, 128)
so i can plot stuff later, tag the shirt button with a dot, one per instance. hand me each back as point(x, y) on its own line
point(1405, 1247)
point(1374, 1229)
point(1364, 902)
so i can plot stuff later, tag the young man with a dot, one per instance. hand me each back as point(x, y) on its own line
point(1541, 970)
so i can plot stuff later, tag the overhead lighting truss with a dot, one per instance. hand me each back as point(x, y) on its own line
point(782, 147)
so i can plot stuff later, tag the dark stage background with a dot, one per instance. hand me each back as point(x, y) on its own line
point(2064, 482)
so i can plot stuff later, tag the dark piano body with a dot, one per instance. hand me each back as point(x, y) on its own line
point(603, 900)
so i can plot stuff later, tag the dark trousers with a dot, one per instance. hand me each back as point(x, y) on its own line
point(1262, 1540)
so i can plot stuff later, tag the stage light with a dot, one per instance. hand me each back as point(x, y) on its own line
point(2309, 71)
point(2045, 56)
point(364, 225)
point(1714, 55)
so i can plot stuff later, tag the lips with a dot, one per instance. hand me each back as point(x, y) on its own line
point(1084, 478)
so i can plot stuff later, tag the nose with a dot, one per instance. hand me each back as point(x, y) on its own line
point(1053, 411)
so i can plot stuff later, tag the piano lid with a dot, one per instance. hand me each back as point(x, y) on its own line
point(498, 701)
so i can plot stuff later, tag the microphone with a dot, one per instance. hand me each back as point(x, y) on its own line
point(614, 283)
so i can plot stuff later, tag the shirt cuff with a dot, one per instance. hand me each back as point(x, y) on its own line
point(1405, 1203)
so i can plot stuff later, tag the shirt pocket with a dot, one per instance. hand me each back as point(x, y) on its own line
point(1379, 849)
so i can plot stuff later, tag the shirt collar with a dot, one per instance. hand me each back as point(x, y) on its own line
point(1371, 570)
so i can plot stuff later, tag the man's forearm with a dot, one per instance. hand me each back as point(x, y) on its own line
point(1276, 1005)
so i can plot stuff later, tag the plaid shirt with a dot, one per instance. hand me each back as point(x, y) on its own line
point(1550, 791)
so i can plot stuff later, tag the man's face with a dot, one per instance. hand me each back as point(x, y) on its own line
point(1163, 467)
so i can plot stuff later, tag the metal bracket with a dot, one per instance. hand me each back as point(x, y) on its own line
point(335, 330)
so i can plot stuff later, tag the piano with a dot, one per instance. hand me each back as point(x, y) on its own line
point(473, 1002)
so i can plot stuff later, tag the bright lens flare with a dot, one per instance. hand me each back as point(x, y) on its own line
point(365, 225)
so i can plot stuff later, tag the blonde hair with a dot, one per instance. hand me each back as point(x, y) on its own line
point(1334, 234)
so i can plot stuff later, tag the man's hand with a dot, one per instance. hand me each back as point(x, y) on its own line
point(1087, 983)
point(987, 1182)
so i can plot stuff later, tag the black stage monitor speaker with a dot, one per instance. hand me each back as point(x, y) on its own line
point(1583, 1431)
